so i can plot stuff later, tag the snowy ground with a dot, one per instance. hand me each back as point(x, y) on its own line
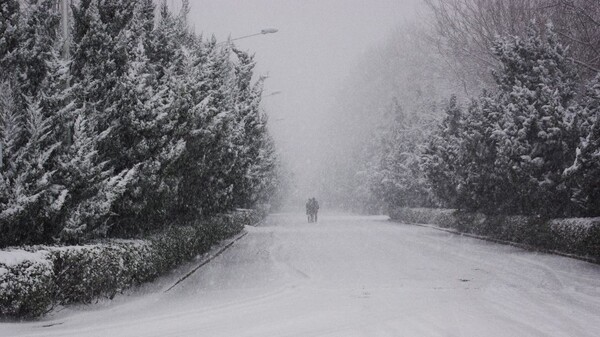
point(351, 276)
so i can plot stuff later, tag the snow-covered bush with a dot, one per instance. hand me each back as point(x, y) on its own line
point(438, 216)
point(32, 281)
point(26, 283)
point(83, 273)
point(580, 236)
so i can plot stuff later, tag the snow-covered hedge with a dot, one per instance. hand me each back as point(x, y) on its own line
point(83, 273)
point(579, 236)
point(26, 282)
point(438, 216)
point(33, 279)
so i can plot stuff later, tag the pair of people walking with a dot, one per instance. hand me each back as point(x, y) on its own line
point(312, 209)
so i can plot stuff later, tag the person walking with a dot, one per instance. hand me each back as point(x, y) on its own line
point(309, 210)
point(315, 209)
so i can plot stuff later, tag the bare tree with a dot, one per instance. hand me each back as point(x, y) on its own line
point(466, 29)
point(578, 23)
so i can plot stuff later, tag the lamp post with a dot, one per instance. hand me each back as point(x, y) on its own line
point(262, 32)
point(272, 94)
point(64, 18)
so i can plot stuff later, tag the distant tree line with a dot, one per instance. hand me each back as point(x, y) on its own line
point(142, 125)
point(529, 144)
point(392, 97)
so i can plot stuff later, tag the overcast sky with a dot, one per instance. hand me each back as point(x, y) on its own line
point(318, 43)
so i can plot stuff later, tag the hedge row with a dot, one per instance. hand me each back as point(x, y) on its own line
point(34, 279)
point(577, 236)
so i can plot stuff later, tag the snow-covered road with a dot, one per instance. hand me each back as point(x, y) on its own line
point(352, 276)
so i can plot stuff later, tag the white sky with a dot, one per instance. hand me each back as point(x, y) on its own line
point(318, 43)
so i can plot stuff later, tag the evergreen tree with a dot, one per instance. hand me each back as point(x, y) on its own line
point(96, 177)
point(38, 41)
point(264, 175)
point(12, 133)
point(583, 175)
point(164, 43)
point(441, 156)
point(147, 125)
point(536, 90)
point(396, 177)
point(207, 159)
point(248, 134)
point(508, 152)
point(30, 198)
point(143, 136)
point(10, 14)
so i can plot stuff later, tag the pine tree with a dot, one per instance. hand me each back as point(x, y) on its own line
point(507, 153)
point(141, 138)
point(264, 175)
point(248, 133)
point(207, 159)
point(147, 125)
point(90, 166)
point(441, 156)
point(32, 198)
point(536, 90)
point(10, 14)
point(583, 175)
point(38, 40)
point(164, 44)
point(146, 15)
point(12, 133)
point(395, 176)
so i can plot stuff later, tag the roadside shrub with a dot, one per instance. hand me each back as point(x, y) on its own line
point(175, 245)
point(32, 281)
point(438, 216)
point(474, 223)
point(579, 236)
point(84, 273)
point(26, 286)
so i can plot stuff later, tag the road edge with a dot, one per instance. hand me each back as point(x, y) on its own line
point(208, 259)
point(504, 242)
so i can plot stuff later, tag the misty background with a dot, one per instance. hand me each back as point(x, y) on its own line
point(314, 64)
point(355, 89)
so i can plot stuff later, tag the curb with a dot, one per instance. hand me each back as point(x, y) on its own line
point(208, 259)
point(509, 243)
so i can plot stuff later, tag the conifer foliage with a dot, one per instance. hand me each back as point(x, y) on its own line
point(583, 176)
point(395, 175)
point(526, 147)
point(144, 125)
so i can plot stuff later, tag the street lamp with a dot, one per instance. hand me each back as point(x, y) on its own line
point(272, 94)
point(262, 32)
point(64, 18)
